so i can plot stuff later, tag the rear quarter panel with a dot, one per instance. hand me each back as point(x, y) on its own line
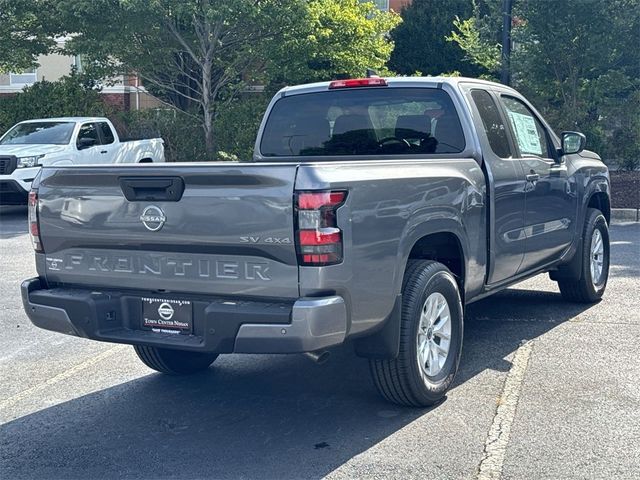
point(390, 206)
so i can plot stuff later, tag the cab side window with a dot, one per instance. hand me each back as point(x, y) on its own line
point(88, 131)
point(527, 129)
point(107, 134)
point(493, 124)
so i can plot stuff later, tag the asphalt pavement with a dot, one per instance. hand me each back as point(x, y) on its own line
point(546, 390)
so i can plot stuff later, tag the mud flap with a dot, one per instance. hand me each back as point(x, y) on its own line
point(385, 342)
point(571, 270)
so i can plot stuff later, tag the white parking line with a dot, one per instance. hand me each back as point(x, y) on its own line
point(60, 377)
point(495, 446)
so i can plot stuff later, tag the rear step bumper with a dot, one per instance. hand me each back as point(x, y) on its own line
point(219, 325)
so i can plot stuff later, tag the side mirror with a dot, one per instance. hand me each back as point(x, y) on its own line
point(573, 142)
point(86, 143)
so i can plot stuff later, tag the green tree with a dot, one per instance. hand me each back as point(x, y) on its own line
point(26, 31)
point(479, 36)
point(479, 50)
point(70, 96)
point(200, 54)
point(333, 39)
point(421, 40)
point(576, 60)
point(194, 53)
point(579, 60)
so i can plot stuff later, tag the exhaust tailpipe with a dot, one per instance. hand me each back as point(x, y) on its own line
point(318, 357)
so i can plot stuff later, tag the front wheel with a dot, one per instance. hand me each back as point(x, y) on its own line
point(174, 362)
point(594, 270)
point(430, 338)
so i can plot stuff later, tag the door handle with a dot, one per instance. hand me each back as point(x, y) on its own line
point(103, 151)
point(532, 177)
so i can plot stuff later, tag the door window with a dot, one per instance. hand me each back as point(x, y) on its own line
point(492, 122)
point(527, 130)
point(107, 134)
point(88, 130)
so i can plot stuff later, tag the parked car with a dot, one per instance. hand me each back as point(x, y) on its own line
point(373, 211)
point(29, 145)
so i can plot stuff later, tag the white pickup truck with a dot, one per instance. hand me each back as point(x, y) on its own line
point(29, 145)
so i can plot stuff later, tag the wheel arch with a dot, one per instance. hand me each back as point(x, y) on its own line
point(444, 246)
point(597, 194)
point(600, 201)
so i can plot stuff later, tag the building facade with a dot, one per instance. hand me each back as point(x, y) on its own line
point(395, 5)
point(124, 92)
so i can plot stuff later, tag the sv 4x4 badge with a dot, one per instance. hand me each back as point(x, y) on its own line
point(282, 241)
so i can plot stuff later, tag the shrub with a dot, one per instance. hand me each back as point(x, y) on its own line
point(182, 135)
point(70, 96)
point(75, 96)
point(237, 126)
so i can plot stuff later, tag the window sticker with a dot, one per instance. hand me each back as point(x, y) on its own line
point(526, 133)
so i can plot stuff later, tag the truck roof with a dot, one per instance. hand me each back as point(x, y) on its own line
point(66, 119)
point(396, 81)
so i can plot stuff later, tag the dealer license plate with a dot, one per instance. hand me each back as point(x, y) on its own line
point(164, 315)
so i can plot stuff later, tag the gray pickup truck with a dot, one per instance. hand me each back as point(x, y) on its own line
point(373, 211)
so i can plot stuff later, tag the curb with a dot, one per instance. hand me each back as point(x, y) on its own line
point(621, 215)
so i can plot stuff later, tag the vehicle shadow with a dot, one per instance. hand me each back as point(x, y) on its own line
point(252, 416)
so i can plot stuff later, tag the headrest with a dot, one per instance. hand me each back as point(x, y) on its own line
point(448, 133)
point(413, 126)
point(351, 122)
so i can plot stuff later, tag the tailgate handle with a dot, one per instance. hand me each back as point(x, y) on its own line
point(139, 189)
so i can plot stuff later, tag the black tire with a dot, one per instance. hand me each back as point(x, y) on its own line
point(402, 380)
point(585, 289)
point(174, 362)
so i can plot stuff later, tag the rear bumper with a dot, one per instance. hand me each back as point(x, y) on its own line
point(219, 325)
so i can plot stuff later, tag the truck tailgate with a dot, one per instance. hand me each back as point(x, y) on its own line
point(230, 232)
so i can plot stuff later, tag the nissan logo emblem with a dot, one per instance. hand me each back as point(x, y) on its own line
point(165, 311)
point(153, 218)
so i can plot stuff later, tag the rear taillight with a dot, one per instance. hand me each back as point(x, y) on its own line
point(34, 224)
point(318, 238)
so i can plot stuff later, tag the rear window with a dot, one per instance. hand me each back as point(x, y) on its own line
point(370, 121)
point(107, 134)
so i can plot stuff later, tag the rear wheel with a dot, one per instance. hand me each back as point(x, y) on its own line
point(430, 338)
point(594, 270)
point(174, 362)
